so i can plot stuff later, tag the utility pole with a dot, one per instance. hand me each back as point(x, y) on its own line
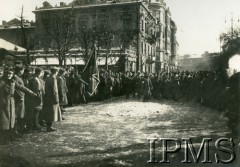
point(25, 41)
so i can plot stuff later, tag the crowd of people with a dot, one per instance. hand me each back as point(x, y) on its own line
point(33, 98)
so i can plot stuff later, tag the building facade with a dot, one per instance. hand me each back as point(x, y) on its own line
point(11, 31)
point(139, 35)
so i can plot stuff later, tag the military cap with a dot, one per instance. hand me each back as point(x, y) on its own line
point(61, 70)
point(8, 69)
point(47, 72)
point(38, 70)
point(19, 67)
point(54, 69)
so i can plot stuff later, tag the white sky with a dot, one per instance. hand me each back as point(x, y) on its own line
point(199, 22)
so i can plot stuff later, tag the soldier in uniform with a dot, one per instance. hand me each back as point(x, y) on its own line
point(110, 84)
point(139, 84)
point(71, 85)
point(127, 84)
point(36, 84)
point(19, 101)
point(7, 103)
point(52, 111)
point(27, 76)
point(102, 87)
point(233, 96)
point(147, 87)
point(62, 89)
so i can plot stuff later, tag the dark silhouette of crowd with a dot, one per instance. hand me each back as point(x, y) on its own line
point(32, 99)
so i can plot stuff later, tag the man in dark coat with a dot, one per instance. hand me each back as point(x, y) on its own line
point(233, 96)
point(27, 76)
point(72, 89)
point(147, 87)
point(36, 84)
point(139, 84)
point(7, 102)
point(19, 101)
point(62, 89)
point(52, 111)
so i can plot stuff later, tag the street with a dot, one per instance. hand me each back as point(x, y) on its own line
point(115, 132)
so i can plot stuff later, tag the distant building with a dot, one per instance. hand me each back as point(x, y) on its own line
point(11, 31)
point(205, 62)
point(154, 46)
point(16, 23)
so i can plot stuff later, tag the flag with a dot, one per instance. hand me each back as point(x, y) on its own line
point(90, 73)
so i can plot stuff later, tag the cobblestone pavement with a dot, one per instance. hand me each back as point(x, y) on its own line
point(115, 133)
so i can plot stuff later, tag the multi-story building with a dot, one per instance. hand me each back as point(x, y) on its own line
point(143, 36)
point(11, 31)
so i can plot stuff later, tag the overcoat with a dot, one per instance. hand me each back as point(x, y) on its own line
point(7, 102)
point(37, 86)
point(147, 87)
point(19, 98)
point(51, 109)
point(62, 90)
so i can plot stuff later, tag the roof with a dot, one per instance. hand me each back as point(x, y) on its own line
point(88, 6)
point(4, 52)
point(10, 46)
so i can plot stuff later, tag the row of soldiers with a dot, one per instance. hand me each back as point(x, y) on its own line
point(30, 100)
point(205, 87)
point(49, 91)
point(214, 89)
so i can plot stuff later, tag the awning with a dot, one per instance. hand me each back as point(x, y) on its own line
point(10, 46)
point(72, 61)
point(54, 61)
point(111, 60)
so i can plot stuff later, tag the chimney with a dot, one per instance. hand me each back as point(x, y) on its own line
point(4, 22)
point(62, 4)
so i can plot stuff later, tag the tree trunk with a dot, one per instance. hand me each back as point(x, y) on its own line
point(106, 62)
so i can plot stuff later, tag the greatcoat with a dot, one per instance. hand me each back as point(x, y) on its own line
point(37, 86)
point(51, 108)
point(62, 90)
point(7, 102)
point(19, 98)
point(147, 87)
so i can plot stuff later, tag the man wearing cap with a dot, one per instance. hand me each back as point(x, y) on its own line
point(52, 111)
point(147, 87)
point(62, 89)
point(37, 86)
point(8, 85)
point(19, 100)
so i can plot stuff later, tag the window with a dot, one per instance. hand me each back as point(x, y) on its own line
point(145, 46)
point(145, 27)
point(127, 24)
point(82, 24)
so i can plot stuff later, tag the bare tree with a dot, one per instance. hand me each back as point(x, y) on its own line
point(25, 38)
point(123, 39)
point(86, 39)
point(101, 36)
point(59, 32)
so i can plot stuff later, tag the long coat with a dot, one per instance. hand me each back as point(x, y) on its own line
point(19, 98)
point(52, 111)
point(37, 86)
point(62, 90)
point(147, 87)
point(7, 102)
